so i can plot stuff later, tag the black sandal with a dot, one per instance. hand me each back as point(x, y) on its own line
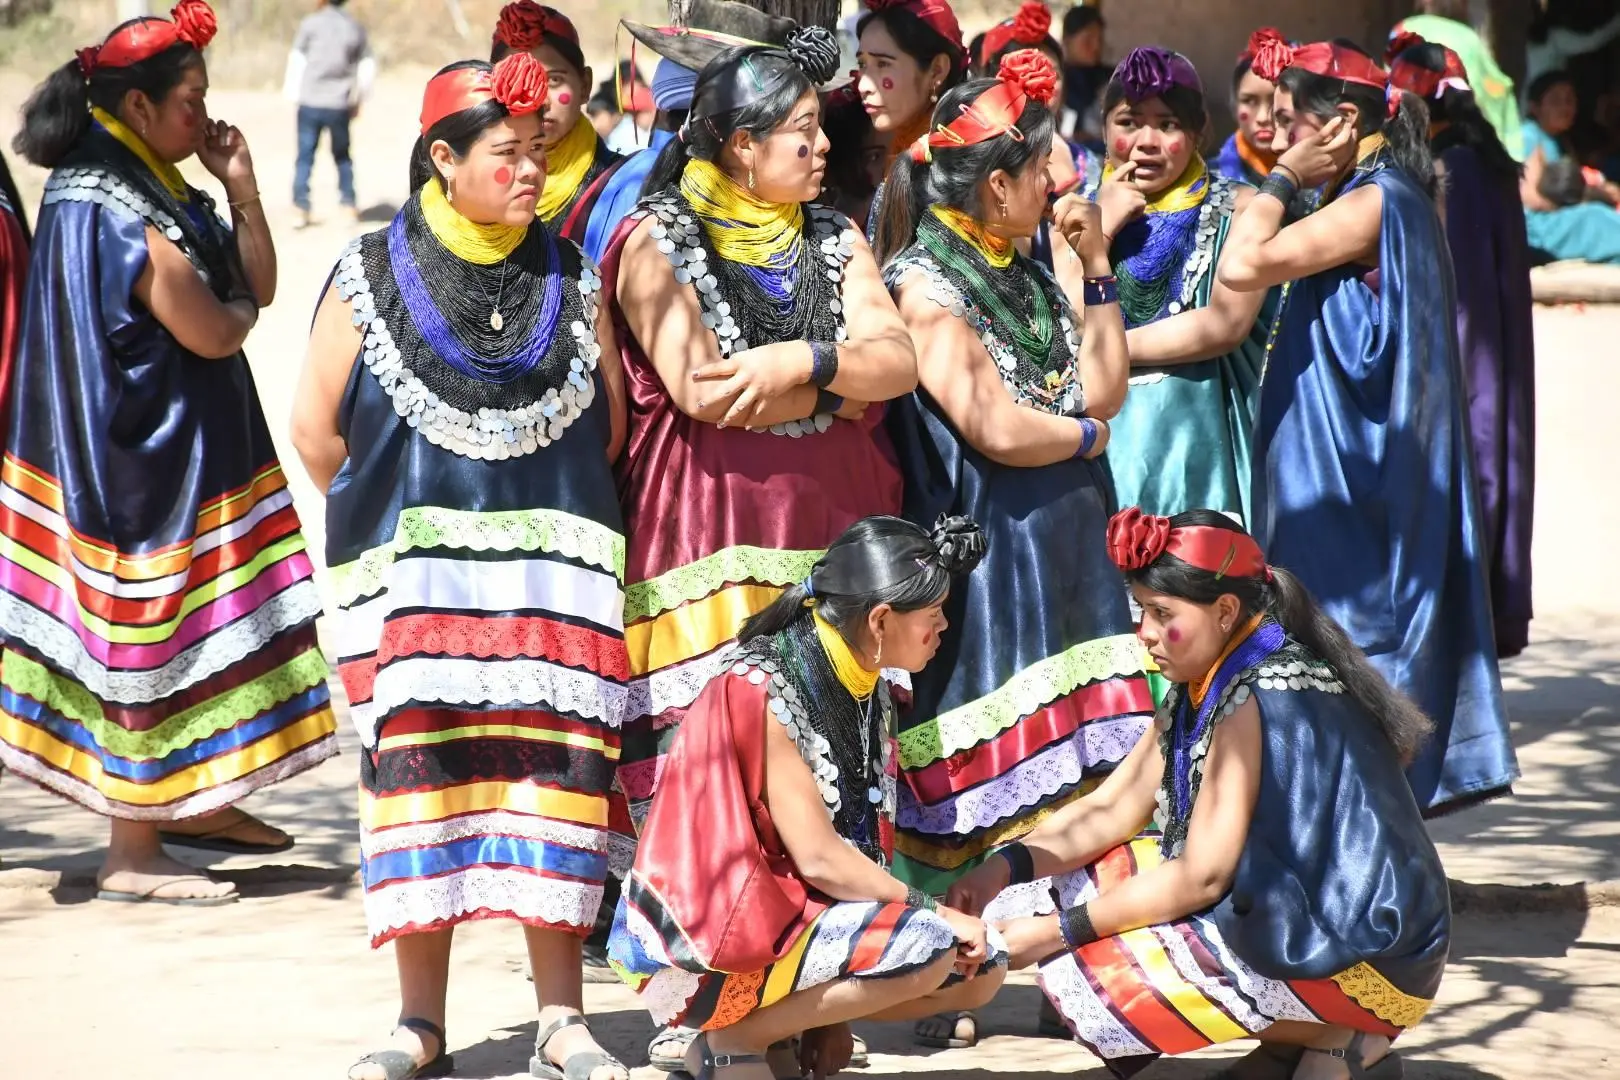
point(1388, 1067)
point(708, 1062)
point(1268, 1061)
point(398, 1065)
point(579, 1066)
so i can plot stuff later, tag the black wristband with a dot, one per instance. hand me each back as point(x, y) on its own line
point(918, 899)
point(1280, 188)
point(823, 363)
point(827, 402)
point(1075, 922)
point(1020, 864)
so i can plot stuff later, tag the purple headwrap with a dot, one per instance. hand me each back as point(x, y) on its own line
point(1149, 70)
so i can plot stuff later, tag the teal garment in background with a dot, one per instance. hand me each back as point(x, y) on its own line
point(1183, 440)
point(1589, 231)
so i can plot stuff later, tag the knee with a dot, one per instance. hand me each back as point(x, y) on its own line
point(932, 976)
point(978, 992)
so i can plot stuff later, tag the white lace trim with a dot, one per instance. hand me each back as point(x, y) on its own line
point(432, 903)
point(516, 684)
point(1213, 987)
point(1086, 1014)
point(493, 823)
point(1271, 997)
point(295, 605)
point(489, 434)
point(1030, 782)
point(202, 802)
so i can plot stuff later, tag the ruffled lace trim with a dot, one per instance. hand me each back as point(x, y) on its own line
point(511, 684)
point(424, 527)
point(297, 605)
point(706, 576)
point(72, 702)
point(480, 891)
point(409, 636)
point(1038, 685)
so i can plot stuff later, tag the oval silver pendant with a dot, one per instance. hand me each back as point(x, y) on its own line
point(496, 322)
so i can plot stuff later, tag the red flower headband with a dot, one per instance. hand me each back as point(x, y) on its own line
point(1025, 74)
point(518, 82)
point(1028, 27)
point(191, 22)
point(1415, 78)
point(524, 24)
point(1137, 540)
point(935, 14)
point(1272, 55)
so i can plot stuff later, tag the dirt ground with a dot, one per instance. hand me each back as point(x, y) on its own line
point(283, 985)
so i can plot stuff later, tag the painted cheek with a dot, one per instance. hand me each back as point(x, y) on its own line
point(1172, 635)
point(503, 175)
point(887, 84)
point(1122, 146)
point(1244, 116)
point(1174, 146)
point(804, 150)
point(565, 98)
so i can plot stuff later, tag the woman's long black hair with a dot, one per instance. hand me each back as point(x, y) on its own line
point(1466, 125)
point(1286, 600)
point(709, 124)
point(953, 177)
point(459, 130)
point(14, 197)
point(1407, 132)
point(57, 113)
point(919, 41)
point(878, 560)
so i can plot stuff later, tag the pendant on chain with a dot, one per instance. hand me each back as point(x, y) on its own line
point(495, 321)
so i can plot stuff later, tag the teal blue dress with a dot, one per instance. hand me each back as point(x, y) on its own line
point(1183, 439)
point(1589, 231)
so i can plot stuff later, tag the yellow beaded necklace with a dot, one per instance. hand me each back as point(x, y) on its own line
point(166, 173)
point(997, 250)
point(743, 229)
point(1187, 192)
point(468, 241)
point(566, 166)
point(855, 678)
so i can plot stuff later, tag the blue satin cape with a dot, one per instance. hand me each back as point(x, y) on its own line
point(1364, 486)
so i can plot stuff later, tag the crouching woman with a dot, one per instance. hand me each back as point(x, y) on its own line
point(1286, 890)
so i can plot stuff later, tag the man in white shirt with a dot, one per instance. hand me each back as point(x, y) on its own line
point(329, 73)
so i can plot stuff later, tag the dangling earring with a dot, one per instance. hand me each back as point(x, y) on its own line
point(750, 178)
point(877, 661)
point(1003, 207)
point(933, 95)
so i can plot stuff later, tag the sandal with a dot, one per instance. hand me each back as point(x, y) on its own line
point(1388, 1067)
point(150, 896)
point(221, 839)
point(667, 1051)
point(952, 1041)
point(709, 1062)
point(398, 1065)
point(1268, 1061)
point(579, 1066)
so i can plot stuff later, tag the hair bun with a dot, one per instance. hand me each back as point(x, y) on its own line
point(959, 542)
point(815, 52)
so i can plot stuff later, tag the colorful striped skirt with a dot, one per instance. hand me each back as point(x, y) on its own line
point(850, 940)
point(161, 684)
point(1177, 987)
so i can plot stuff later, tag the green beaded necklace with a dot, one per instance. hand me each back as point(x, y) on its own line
point(1031, 334)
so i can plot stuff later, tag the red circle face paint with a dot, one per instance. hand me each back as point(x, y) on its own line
point(888, 84)
point(1122, 147)
point(1244, 116)
point(564, 97)
point(1173, 636)
point(1174, 145)
point(503, 175)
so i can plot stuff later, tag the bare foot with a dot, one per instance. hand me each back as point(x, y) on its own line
point(421, 1047)
point(576, 1039)
point(229, 823)
point(160, 877)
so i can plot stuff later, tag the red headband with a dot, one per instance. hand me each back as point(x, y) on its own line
point(191, 22)
point(1272, 55)
point(524, 24)
point(1137, 540)
point(517, 82)
point(1415, 78)
point(1025, 74)
point(1028, 27)
point(935, 14)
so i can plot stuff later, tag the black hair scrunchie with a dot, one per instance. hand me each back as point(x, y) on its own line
point(814, 50)
point(960, 542)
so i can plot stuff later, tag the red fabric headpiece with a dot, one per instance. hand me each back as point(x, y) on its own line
point(191, 22)
point(1137, 540)
point(936, 14)
point(1029, 27)
point(1272, 55)
point(518, 82)
point(1415, 78)
point(524, 24)
point(1025, 74)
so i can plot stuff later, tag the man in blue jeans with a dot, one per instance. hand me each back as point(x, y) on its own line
point(329, 72)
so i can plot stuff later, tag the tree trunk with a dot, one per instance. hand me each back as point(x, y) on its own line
point(804, 12)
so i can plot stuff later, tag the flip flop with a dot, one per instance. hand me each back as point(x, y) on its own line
point(220, 839)
point(398, 1065)
point(150, 895)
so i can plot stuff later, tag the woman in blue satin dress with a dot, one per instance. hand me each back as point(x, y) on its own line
point(1364, 480)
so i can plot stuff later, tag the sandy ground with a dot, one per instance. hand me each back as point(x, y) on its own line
point(283, 985)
